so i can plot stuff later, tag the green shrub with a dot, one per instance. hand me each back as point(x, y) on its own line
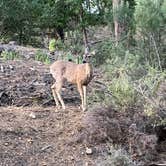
point(151, 90)
point(60, 45)
point(97, 97)
point(42, 57)
point(52, 45)
point(104, 50)
point(122, 90)
point(9, 55)
point(4, 39)
point(118, 157)
point(120, 73)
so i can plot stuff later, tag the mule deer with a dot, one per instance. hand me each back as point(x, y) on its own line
point(79, 74)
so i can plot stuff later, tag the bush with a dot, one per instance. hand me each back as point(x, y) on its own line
point(118, 157)
point(104, 52)
point(52, 45)
point(151, 89)
point(9, 55)
point(122, 72)
point(42, 57)
point(150, 18)
point(121, 87)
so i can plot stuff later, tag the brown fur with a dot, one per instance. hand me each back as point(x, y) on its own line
point(79, 74)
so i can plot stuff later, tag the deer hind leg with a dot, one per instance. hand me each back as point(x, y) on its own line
point(84, 93)
point(80, 90)
point(58, 91)
point(53, 87)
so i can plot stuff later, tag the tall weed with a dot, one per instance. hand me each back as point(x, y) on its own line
point(42, 57)
point(9, 55)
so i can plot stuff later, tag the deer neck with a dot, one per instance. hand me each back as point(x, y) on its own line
point(88, 69)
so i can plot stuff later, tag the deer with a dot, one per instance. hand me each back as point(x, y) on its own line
point(78, 74)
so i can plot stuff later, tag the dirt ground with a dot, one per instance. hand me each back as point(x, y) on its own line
point(42, 137)
point(34, 133)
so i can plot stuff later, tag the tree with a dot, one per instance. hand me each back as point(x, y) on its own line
point(150, 18)
point(15, 24)
point(116, 4)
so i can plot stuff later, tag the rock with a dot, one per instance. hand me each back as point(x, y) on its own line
point(12, 43)
point(88, 151)
point(2, 69)
point(6, 143)
point(32, 115)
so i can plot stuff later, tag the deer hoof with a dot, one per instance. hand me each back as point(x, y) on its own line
point(58, 107)
point(84, 109)
point(63, 107)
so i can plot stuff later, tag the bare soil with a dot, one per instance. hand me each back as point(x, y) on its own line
point(34, 133)
point(42, 136)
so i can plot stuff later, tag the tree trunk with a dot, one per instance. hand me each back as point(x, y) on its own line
point(85, 38)
point(20, 37)
point(115, 4)
point(60, 32)
point(84, 31)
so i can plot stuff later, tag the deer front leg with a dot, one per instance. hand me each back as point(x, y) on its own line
point(80, 90)
point(58, 90)
point(53, 87)
point(85, 100)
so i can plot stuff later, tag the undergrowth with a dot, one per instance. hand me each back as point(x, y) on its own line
point(129, 82)
point(11, 55)
point(42, 57)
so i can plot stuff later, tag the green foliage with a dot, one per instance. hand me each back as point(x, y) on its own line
point(52, 45)
point(18, 25)
point(150, 23)
point(121, 71)
point(98, 97)
point(42, 57)
point(5, 39)
point(118, 157)
point(148, 14)
point(163, 9)
point(56, 45)
point(43, 15)
point(151, 89)
point(60, 45)
point(122, 90)
point(9, 55)
point(103, 53)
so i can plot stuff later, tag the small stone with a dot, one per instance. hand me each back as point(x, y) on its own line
point(11, 67)
point(2, 69)
point(44, 164)
point(32, 115)
point(82, 153)
point(88, 150)
point(86, 164)
point(6, 143)
point(72, 158)
point(29, 140)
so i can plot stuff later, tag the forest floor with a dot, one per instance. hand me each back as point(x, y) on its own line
point(34, 133)
point(36, 136)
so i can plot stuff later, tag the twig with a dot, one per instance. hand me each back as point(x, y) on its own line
point(157, 51)
point(46, 147)
point(151, 101)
